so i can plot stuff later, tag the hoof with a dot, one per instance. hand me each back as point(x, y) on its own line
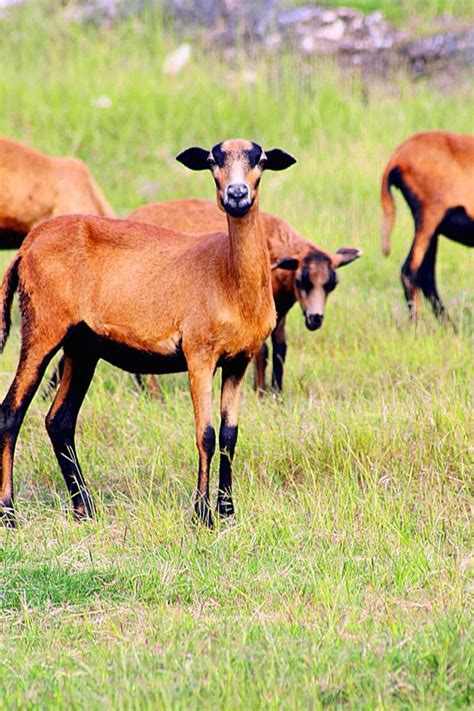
point(83, 510)
point(225, 506)
point(203, 514)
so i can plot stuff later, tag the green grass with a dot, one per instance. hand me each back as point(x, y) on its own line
point(344, 581)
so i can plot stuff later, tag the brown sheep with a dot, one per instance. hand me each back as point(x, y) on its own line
point(435, 173)
point(147, 300)
point(301, 271)
point(34, 186)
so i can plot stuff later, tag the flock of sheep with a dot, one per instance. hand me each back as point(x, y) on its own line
point(94, 287)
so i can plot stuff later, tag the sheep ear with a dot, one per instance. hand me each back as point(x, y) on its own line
point(345, 255)
point(194, 158)
point(289, 263)
point(276, 159)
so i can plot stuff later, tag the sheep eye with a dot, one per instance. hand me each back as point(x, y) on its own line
point(331, 284)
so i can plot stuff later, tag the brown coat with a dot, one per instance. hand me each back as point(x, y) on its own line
point(146, 299)
point(196, 216)
point(34, 186)
point(435, 173)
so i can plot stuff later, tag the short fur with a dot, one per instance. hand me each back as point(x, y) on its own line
point(196, 216)
point(34, 186)
point(435, 173)
point(127, 292)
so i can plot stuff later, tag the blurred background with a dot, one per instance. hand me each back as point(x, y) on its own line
point(344, 580)
point(125, 84)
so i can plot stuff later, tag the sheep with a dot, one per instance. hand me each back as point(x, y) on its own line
point(301, 271)
point(435, 173)
point(147, 300)
point(34, 186)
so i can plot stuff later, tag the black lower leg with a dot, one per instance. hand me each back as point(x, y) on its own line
point(62, 439)
point(427, 281)
point(227, 441)
point(408, 282)
point(139, 381)
point(61, 425)
point(233, 373)
point(279, 355)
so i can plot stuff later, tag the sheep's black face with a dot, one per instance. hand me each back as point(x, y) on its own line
point(237, 166)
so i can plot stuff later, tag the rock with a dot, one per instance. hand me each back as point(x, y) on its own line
point(432, 53)
point(175, 61)
point(333, 32)
point(308, 45)
point(298, 15)
point(366, 40)
point(329, 16)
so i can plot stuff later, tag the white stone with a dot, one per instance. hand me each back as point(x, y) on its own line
point(333, 33)
point(175, 61)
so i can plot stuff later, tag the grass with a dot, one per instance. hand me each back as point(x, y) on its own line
point(345, 579)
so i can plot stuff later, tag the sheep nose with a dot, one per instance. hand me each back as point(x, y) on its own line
point(314, 321)
point(237, 191)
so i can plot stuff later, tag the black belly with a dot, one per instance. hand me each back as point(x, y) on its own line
point(458, 226)
point(136, 361)
point(81, 340)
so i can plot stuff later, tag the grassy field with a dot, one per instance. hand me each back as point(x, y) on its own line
point(345, 579)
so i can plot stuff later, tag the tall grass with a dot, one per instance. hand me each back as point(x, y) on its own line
point(344, 580)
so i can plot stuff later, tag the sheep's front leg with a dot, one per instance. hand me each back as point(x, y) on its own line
point(232, 380)
point(200, 380)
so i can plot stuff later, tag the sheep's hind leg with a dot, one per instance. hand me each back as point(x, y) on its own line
point(61, 426)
